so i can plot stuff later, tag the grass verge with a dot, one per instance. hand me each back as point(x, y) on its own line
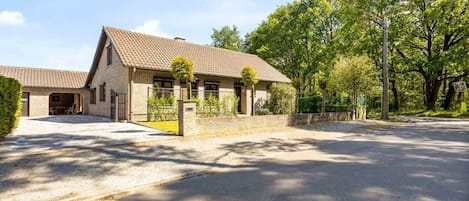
point(442, 113)
point(167, 126)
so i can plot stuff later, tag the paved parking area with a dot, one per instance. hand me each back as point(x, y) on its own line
point(36, 135)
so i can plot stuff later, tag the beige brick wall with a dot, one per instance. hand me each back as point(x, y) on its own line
point(265, 123)
point(116, 77)
point(39, 99)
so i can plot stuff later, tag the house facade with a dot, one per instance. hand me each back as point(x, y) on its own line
point(50, 92)
point(135, 66)
point(129, 67)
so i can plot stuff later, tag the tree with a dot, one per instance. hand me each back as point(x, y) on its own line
point(355, 75)
point(435, 43)
point(297, 39)
point(227, 38)
point(249, 79)
point(183, 69)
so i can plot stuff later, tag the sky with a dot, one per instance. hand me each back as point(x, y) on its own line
point(64, 34)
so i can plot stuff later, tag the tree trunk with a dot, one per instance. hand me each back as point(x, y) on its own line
point(323, 101)
point(432, 88)
point(252, 101)
point(449, 96)
point(395, 95)
point(189, 90)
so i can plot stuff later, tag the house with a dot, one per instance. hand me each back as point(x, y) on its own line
point(129, 67)
point(135, 66)
point(48, 91)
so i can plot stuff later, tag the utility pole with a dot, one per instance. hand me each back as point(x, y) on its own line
point(385, 99)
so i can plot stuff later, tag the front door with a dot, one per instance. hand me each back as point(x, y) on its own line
point(25, 102)
point(238, 95)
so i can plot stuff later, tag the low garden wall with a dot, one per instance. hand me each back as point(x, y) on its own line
point(251, 124)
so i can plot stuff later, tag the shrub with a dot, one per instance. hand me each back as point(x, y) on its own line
point(10, 104)
point(212, 107)
point(264, 111)
point(161, 108)
point(282, 98)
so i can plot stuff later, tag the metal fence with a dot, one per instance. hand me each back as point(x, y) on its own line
point(118, 104)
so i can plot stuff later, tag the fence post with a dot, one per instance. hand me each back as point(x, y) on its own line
point(187, 117)
point(116, 103)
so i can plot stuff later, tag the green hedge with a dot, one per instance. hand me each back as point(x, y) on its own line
point(282, 98)
point(10, 104)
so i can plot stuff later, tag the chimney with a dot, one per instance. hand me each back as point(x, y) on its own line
point(179, 39)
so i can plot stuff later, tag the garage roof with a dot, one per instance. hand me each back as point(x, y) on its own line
point(40, 77)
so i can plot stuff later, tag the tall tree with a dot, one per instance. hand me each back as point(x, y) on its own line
point(249, 79)
point(435, 43)
point(227, 37)
point(183, 69)
point(296, 39)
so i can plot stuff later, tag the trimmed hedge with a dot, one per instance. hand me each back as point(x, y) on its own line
point(282, 98)
point(10, 104)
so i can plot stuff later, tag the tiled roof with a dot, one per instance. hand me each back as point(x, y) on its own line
point(152, 52)
point(40, 77)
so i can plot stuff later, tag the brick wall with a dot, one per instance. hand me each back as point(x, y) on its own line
point(265, 123)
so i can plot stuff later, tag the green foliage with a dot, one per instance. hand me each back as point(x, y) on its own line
point(264, 111)
point(312, 104)
point(161, 108)
point(298, 39)
point(249, 76)
point(249, 79)
point(183, 69)
point(282, 97)
point(227, 38)
point(212, 107)
point(354, 76)
point(10, 104)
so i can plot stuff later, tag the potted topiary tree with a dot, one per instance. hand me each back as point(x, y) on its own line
point(249, 79)
point(183, 69)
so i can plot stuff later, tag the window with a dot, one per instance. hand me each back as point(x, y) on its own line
point(102, 92)
point(109, 54)
point(163, 87)
point(211, 89)
point(93, 96)
point(194, 88)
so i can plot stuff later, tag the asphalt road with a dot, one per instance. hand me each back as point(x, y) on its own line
point(426, 160)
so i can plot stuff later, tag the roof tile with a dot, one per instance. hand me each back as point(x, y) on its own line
point(40, 77)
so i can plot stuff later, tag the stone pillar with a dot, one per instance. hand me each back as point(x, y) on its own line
point(187, 117)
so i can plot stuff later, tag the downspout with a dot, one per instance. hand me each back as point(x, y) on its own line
point(131, 84)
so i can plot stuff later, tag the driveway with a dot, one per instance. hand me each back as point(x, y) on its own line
point(37, 135)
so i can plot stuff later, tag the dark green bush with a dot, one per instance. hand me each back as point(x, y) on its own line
point(264, 111)
point(282, 98)
point(10, 104)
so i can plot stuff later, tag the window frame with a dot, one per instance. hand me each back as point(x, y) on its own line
point(208, 92)
point(109, 54)
point(194, 89)
point(160, 91)
point(93, 96)
point(102, 92)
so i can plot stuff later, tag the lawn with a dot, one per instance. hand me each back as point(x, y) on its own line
point(423, 113)
point(168, 126)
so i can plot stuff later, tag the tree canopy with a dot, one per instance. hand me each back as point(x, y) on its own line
point(183, 69)
point(227, 38)
point(428, 45)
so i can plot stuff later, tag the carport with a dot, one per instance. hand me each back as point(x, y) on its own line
point(65, 103)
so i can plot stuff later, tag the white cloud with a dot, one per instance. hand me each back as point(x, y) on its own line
point(151, 27)
point(78, 58)
point(11, 18)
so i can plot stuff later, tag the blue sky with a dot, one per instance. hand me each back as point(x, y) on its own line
point(63, 34)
